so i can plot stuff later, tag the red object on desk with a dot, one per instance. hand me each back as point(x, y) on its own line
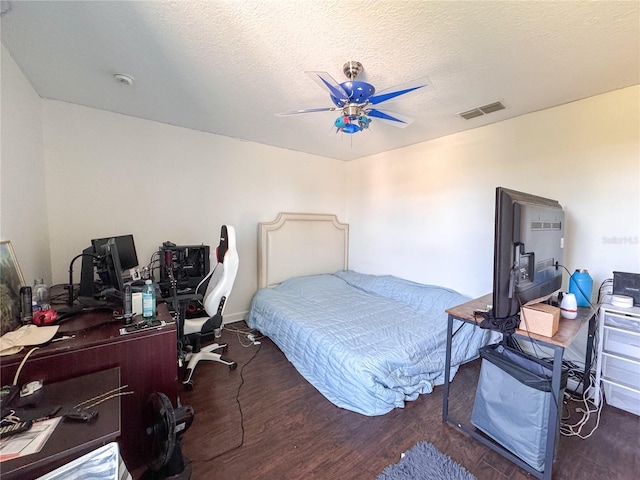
point(45, 317)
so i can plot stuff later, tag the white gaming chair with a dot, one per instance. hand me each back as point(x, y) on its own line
point(221, 279)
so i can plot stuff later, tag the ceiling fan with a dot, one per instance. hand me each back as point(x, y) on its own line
point(356, 100)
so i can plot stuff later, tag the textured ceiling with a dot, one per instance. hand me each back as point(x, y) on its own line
point(227, 67)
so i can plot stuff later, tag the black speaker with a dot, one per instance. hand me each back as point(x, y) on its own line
point(627, 284)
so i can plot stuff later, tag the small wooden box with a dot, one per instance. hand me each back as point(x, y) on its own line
point(540, 318)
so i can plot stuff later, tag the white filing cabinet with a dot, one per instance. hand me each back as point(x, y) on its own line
point(618, 365)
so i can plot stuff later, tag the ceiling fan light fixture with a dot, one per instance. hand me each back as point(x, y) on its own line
point(351, 123)
point(355, 99)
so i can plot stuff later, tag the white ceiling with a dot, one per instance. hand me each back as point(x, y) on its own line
point(227, 67)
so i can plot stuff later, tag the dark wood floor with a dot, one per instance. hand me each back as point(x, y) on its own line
point(292, 432)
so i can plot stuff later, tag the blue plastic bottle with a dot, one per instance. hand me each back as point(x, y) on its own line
point(148, 301)
point(581, 284)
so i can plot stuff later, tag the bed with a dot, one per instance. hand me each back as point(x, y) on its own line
point(368, 343)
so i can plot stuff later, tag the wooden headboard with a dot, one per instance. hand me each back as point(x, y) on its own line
point(297, 244)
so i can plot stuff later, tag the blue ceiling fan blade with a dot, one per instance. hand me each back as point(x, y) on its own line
point(327, 82)
point(394, 92)
point(394, 119)
point(306, 110)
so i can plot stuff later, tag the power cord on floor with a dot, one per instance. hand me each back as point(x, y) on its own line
point(586, 411)
point(588, 408)
point(255, 353)
point(246, 338)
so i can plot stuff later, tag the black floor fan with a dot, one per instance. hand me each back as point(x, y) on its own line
point(165, 427)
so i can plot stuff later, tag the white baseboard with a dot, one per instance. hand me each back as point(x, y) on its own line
point(234, 317)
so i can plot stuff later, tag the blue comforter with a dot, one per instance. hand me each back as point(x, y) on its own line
point(368, 343)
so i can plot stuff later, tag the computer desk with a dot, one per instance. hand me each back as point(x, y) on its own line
point(566, 334)
point(147, 360)
point(70, 439)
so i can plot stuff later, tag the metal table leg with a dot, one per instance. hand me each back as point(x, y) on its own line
point(447, 369)
point(554, 408)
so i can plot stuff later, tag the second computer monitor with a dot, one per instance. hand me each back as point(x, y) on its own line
point(126, 249)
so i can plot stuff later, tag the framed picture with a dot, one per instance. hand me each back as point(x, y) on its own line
point(11, 280)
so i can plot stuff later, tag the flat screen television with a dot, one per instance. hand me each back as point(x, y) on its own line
point(528, 250)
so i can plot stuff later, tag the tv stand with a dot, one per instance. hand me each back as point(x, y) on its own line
point(566, 334)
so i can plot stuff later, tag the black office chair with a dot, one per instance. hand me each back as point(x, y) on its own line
point(192, 331)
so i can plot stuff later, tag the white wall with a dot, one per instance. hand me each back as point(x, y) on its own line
point(110, 174)
point(23, 212)
point(426, 212)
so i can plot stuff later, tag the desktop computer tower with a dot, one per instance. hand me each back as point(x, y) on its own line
point(188, 264)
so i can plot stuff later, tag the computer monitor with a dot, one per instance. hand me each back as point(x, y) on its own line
point(528, 250)
point(127, 257)
point(126, 249)
point(112, 270)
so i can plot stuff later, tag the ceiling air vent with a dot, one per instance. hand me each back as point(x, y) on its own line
point(468, 115)
point(483, 110)
point(492, 107)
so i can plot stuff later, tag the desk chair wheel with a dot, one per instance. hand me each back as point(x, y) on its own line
point(206, 353)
